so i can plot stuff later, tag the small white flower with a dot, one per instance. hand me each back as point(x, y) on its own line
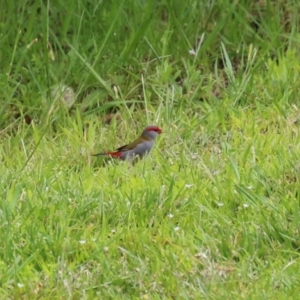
point(188, 186)
point(194, 156)
point(249, 187)
point(220, 204)
point(192, 52)
point(176, 228)
point(246, 205)
point(113, 231)
point(201, 255)
point(105, 249)
point(20, 285)
point(170, 216)
point(82, 242)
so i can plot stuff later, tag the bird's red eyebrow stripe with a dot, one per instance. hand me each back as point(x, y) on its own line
point(154, 129)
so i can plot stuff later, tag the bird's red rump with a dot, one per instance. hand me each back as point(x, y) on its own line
point(115, 154)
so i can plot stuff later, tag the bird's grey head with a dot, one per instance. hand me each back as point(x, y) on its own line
point(151, 132)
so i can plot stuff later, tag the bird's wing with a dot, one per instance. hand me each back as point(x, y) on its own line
point(123, 148)
point(132, 145)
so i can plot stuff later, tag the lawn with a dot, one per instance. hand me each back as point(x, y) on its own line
point(213, 212)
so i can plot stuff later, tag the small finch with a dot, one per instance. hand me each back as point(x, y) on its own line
point(138, 148)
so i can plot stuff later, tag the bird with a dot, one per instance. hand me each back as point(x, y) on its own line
point(138, 148)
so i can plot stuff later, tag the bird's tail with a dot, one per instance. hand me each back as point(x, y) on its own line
point(100, 154)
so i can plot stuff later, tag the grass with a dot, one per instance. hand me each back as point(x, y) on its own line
point(212, 213)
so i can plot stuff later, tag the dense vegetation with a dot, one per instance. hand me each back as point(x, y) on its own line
point(213, 212)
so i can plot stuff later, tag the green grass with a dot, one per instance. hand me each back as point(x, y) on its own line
point(212, 213)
